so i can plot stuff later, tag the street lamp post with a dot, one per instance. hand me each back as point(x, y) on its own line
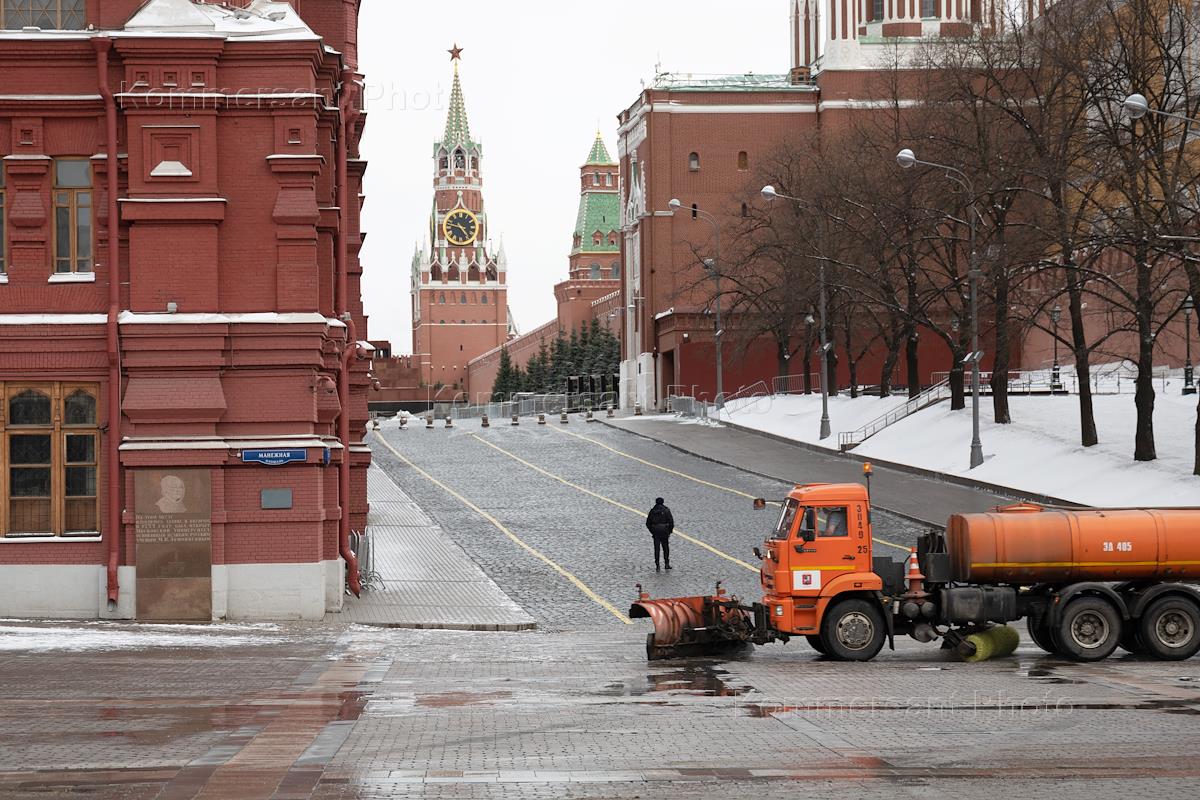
point(1055, 375)
point(1136, 106)
point(907, 159)
point(713, 267)
point(1189, 386)
point(769, 193)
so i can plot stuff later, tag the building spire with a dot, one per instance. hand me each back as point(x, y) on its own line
point(458, 131)
point(599, 154)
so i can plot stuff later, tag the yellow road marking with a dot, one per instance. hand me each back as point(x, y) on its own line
point(632, 457)
point(670, 471)
point(583, 587)
point(610, 501)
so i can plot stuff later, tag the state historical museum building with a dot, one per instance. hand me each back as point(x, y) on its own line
point(183, 365)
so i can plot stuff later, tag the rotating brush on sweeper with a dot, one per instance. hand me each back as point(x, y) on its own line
point(994, 642)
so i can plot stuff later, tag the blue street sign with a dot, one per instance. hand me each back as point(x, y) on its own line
point(273, 458)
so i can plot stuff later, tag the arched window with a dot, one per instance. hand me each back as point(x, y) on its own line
point(745, 210)
point(595, 179)
point(442, 298)
point(608, 179)
point(471, 163)
point(452, 274)
point(694, 161)
point(79, 408)
point(473, 274)
point(463, 298)
point(29, 408)
point(462, 322)
point(484, 298)
point(695, 211)
point(578, 240)
point(743, 160)
point(595, 272)
point(612, 238)
point(443, 163)
point(460, 160)
point(435, 273)
point(597, 237)
point(441, 322)
point(616, 269)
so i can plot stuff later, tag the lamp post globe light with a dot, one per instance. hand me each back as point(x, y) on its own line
point(1189, 385)
point(769, 193)
point(713, 267)
point(1136, 106)
point(907, 159)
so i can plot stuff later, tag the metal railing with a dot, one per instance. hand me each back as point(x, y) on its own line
point(933, 394)
point(529, 405)
point(794, 384)
point(360, 545)
point(689, 407)
point(753, 394)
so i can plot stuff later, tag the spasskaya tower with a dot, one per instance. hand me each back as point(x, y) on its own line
point(459, 293)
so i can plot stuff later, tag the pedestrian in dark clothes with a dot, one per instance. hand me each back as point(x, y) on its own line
point(660, 523)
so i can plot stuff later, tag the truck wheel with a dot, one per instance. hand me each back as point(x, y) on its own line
point(1088, 630)
point(1170, 628)
point(1039, 631)
point(853, 630)
point(816, 644)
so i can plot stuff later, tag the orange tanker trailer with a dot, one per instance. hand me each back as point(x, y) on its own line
point(1086, 581)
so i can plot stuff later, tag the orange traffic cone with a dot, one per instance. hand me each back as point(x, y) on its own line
point(916, 581)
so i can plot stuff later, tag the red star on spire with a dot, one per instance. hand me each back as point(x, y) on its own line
point(455, 52)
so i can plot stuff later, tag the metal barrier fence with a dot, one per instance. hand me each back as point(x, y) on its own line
point(794, 384)
point(360, 545)
point(530, 405)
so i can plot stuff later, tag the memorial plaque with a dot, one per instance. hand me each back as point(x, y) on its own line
point(173, 526)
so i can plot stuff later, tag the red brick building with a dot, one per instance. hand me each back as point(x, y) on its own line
point(182, 379)
point(459, 288)
point(698, 139)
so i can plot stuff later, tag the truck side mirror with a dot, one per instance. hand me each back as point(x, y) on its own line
point(759, 504)
point(808, 535)
point(758, 554)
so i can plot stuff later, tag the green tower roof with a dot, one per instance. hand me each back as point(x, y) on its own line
point(599, 154)
point(458, 130)
point(598, 211)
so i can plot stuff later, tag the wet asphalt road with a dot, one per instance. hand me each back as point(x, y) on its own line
point(571, 512)
point(323, 712)
point(572, 710)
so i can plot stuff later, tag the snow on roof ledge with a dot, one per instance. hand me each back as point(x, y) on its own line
point(262, 18)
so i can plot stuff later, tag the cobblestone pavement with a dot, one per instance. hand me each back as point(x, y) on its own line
point(305, 711)
point(573, 710)
point(576, 523)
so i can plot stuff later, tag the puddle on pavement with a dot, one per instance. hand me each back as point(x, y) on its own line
point(459, 699)
point(1048, 676)
point(700, 680)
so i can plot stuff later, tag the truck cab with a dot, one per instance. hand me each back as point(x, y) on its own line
point(818, 551)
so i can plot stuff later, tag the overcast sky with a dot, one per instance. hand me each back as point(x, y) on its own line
point(538, 76)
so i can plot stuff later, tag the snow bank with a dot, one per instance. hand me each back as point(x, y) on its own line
point(1039, 452)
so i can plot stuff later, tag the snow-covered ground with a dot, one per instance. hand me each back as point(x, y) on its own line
point(25, 635)
point(1039, 452)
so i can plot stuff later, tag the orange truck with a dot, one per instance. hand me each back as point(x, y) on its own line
point(1085, 580)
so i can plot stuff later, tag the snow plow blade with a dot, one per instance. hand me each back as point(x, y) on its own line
point(702, 625)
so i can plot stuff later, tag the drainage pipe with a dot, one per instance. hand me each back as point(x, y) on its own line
point(103, 45)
